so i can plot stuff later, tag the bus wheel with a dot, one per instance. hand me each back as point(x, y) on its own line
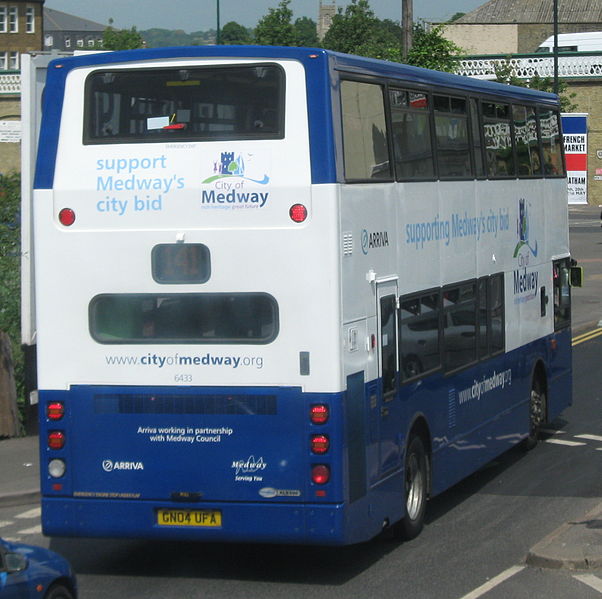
point(537, 412)
point(416, 489)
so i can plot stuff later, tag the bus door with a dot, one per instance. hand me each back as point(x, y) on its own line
point(387, 404)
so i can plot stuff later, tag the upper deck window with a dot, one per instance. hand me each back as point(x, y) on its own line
point(193, 103)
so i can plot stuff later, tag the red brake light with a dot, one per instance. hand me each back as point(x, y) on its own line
point(66, 217)
point(320, 474)
point(320, 444)
point(298, 213)
point(319, 414)
point(56, 439)
point(55, 410)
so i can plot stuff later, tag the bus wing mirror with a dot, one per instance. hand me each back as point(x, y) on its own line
point(576, 276)
point(15, 562)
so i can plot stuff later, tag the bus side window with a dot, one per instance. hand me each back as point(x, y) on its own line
point(498, 140)
point(451, 128)
point(365, 142)
point(411, 133)
point(549, 125)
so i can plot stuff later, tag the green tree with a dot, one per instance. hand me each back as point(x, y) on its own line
point(350, 29)
point(457, 16)
point(275, 28)
point(504, 73)
point(433, 51)
point(233, 33)
point(121, 39)
point(306, 32)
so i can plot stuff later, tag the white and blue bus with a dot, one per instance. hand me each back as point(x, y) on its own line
point(287, 295)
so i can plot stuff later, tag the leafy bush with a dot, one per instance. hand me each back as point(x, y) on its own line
point(10, 271)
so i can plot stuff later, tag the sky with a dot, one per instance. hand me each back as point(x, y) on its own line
point(200, 15)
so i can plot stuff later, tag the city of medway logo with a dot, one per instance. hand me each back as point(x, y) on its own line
point(229, 166)
point(522, 227)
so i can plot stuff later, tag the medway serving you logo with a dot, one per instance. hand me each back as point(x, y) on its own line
point(232, 182)
point(525, 278)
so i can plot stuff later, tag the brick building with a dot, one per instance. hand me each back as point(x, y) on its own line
point(21, 30)
point(519, 26)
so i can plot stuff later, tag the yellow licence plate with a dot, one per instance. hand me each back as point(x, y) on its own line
point(189, 518)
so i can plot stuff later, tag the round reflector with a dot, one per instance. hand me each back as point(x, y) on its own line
point(320, 474)
point(298, 213)
point(66, 217)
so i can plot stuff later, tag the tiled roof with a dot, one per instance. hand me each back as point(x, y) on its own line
point(55, 20)
point(534, 11)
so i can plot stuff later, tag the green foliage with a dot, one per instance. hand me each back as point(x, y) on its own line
point(121, 39)
point(306, 32)
point(457, 16)
point(432, 51)
point(10, 269)
point(160, 38)
point(275, 28)
point(504, 73)
point(233, 33)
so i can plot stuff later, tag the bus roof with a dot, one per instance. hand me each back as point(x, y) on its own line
point(340, 61)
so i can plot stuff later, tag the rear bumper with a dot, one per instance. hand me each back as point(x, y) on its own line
point(248, 522)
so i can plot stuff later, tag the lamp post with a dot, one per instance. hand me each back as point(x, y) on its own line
point(555, 9)
point(218, 36)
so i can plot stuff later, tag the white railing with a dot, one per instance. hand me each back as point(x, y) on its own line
point(10, 83)
point(524, 66)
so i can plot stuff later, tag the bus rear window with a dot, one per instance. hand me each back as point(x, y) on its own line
point(239, 318)
point(192, 103)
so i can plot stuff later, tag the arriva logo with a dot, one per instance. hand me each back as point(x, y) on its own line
point(111, 466)
point(377, 239)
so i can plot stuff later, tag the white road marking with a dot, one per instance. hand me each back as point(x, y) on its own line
point(36, 512)
point(563, 442)
point(549, 431)
point(4, 523)
point(499, 579)
point(590, 580)
point(589, 437)
point(34, 530)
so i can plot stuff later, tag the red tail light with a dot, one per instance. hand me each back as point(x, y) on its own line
point(320, 444)
point(55, 410)
point(56, 439)
point(320, 474)
point(319, 413)
point(298, 213)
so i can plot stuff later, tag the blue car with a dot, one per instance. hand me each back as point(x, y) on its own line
point(27, 571)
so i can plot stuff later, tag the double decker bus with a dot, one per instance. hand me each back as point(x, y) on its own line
point(287, 295)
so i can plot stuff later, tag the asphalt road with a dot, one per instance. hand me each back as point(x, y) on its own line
point(476, 537)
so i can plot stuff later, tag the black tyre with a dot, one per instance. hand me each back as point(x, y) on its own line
point(58, 591)
point(416, 489)
point(537, 412)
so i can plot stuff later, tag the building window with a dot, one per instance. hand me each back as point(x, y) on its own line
point(3, 61)
point(13, 19)
point(67, 42)
point(13, 61)
point(30, 21)
point(80, 43)
point(91, 43)
point(3, 20)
